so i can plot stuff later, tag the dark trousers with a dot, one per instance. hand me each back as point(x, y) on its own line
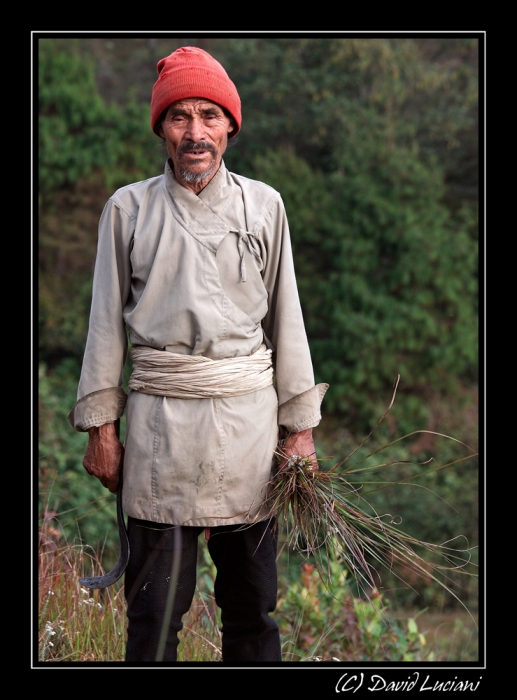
point(245, 588)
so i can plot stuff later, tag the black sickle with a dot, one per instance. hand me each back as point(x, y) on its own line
point(113, 575)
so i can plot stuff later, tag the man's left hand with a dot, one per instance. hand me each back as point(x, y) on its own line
point(301, 444)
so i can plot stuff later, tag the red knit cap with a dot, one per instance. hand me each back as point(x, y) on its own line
point(192, 72)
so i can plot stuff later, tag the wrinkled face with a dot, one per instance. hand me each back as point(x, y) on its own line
point(196, 134)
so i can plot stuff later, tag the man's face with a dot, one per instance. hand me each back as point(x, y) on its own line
point(196, 134)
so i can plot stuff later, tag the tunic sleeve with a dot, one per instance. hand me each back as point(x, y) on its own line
point(100, 396)
point(299, 399)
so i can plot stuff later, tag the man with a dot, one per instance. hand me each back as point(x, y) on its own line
point(196, 266)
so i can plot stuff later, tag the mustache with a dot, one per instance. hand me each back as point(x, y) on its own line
point(190, 146)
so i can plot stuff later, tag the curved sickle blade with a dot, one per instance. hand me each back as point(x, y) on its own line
point(113, 575)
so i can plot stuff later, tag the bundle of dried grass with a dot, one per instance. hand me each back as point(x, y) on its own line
point(327, 519)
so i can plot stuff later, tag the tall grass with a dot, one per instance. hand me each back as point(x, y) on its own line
point(76, 624)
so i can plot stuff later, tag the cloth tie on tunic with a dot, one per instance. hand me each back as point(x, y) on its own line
point(170, 374)
point(244, 236)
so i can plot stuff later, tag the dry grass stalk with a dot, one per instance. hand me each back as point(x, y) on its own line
point(326, 519)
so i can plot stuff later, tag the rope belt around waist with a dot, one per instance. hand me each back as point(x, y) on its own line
point(195, 377)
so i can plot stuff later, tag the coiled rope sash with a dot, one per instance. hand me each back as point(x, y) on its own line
point(195, 377)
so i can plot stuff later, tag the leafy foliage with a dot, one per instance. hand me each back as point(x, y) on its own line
point(87, 148)
point(85, 509)
point(319, 625)
point(79, 134)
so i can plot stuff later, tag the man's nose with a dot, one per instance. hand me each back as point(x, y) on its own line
point(196, 129)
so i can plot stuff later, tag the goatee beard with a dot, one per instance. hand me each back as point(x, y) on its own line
point(196, 178)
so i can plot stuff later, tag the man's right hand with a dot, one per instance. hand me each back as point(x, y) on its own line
point(104, 455)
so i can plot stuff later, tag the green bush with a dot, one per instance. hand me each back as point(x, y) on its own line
point(330, 624)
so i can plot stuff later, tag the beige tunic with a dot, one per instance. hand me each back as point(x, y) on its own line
point(169, 274)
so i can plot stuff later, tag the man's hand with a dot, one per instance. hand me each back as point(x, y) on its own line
point(104, 455)
point(301, 444)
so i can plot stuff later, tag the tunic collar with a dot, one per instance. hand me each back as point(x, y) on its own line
point(219, 180)
point(207, 216)
point(199, 214)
